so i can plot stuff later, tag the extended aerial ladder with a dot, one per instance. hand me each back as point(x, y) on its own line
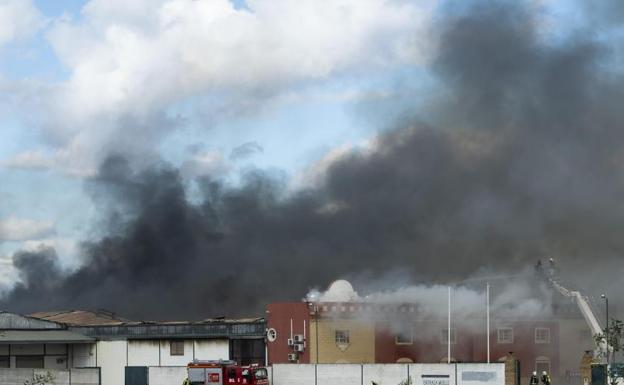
point(583, 304)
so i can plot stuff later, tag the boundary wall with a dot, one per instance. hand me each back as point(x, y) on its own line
point(361, 374)
point(90, 376)
point(388, 374)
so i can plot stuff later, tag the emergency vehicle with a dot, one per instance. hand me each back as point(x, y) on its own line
point(224, 372)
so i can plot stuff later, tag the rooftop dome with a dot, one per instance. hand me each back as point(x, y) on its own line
point(340, 291)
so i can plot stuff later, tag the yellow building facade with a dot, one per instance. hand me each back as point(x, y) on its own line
point(341, 341)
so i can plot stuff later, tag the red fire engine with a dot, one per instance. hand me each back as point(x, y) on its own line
point(224, 372)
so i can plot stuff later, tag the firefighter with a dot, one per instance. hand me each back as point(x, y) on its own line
point(545, 378)
point(534, 380)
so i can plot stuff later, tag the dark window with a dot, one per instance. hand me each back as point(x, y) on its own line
point(35, 362)
point(404, 338)
point(247, 351)
point(176, 348)
point(5, 362)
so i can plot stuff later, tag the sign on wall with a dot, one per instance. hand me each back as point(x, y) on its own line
point(436, 379)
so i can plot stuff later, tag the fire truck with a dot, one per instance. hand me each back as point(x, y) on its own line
point(224, 372)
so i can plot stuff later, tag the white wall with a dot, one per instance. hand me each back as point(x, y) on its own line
point(173, 375)
point(158, 353)
point(293, 374)
point(15, 376)
point(339, 374)
point(143, 353)
point(168, 360)
point(82, 355)
point(111, 358)
point(85, 377)
point(61, 377)
point(212, 349)
point(114, 356)
point(388, 374)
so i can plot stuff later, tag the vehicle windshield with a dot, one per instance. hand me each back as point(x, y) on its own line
point(261, 373)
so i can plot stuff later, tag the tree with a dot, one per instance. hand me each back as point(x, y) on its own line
point(41, 379)
point(613, 336)
point(614, 333)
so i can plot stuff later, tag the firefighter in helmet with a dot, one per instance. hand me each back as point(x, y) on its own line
point(545, 378)
point(534, 380)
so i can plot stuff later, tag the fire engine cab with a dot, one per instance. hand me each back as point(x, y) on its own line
point(224, 372)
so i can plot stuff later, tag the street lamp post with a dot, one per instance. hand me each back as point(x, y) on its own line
point(604, 296)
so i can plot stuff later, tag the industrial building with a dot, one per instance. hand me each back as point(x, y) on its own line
point(361, 332)
point(116, 348)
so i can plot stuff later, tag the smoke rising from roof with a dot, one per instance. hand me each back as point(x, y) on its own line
point(517, 155)
point(523, 296)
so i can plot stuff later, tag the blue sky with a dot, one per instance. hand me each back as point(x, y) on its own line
point(295, 78)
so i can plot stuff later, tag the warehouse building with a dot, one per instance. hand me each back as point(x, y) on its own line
point(118, 349)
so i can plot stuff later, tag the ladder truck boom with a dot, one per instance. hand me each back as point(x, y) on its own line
point(583, 306)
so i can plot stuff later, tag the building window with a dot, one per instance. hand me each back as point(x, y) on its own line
point(444, 336)
point(31, 362)
point(342, 336)
point(247, 351)
point(542, 364)
point(405, 338)
point(542, 335)
point(5, 361)
point(505, 335)
point(176, 348)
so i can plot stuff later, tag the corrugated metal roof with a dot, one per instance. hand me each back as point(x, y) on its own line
point(105, 325)
point(81, 317)
point(17, 321)
point(42, 336)
point(250, 328)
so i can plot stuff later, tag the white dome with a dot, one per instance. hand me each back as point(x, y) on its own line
point(340, 291)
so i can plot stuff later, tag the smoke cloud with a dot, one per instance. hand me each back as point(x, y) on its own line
point(516, 155)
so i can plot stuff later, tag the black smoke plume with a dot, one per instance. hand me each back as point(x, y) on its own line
point(516, 156)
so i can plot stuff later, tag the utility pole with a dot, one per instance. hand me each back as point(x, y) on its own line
point(487, 316)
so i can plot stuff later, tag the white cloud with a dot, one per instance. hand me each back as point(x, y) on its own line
point(208, 163)
point(20, 229)
point(135, 59)
point(32, 160)
point(19, 19)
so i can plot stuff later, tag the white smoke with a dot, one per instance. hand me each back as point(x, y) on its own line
point(511, 300)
